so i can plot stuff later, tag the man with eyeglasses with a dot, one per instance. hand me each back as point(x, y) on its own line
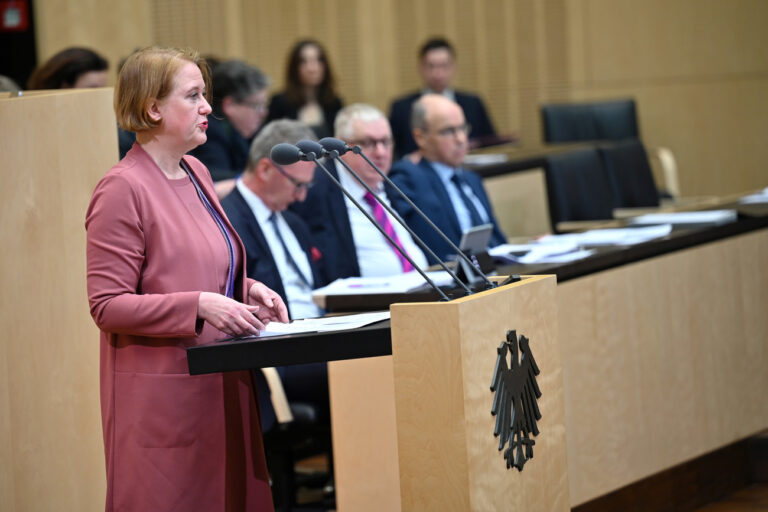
point(280, 251)
point(279, 248)
point(352, 246)
point(452, 197)
point(239, 103)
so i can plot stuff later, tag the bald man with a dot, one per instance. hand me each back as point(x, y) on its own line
point(451, 196)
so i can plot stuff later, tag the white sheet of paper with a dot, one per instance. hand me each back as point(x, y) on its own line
point(400, 283)
point(324, 324)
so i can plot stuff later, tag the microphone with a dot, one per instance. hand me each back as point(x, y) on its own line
point(286, 154)
point(334, 148)
point(332, 144)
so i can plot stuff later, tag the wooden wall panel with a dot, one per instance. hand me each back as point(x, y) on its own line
point(51, 447)
point(681, 59)
point(663, 361)
point(112, 28)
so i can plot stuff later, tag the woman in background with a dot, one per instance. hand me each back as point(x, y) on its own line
point(71, 68)
point(309, 94)
point(165, 272)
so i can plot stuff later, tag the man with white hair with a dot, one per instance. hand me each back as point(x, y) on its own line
point(350, 244)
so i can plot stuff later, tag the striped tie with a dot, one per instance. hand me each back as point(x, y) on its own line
point(381, 218)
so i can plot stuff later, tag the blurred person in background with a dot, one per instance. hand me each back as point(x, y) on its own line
point(239, 92)
point(71, 68)
point(309, 94)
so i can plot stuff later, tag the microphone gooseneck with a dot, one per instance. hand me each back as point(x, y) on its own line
point(311, 151)
point(331, 142)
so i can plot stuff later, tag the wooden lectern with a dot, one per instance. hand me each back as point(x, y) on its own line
point(414, 431)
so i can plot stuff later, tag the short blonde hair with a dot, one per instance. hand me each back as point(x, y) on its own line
point(148, 75)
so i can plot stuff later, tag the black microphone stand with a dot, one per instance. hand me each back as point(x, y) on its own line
point(310, 155)
point(358, 151)
point(335, 155)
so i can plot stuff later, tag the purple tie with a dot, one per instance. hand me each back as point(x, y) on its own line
point(381, 217)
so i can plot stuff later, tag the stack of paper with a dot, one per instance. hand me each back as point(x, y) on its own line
point(611, 236)
point(400, 283)
point(325, 324)
point(689, 219)
point(758, 198)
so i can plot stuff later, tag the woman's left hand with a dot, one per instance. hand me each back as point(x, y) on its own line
point(272, 305)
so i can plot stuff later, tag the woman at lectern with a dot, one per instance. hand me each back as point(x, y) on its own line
point(165, 272)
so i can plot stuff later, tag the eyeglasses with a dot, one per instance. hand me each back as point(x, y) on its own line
point(453, 131)
point(258, 107)
point(300, 185)
point(370, 144)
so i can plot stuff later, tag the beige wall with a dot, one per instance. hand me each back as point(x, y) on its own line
point(698, 68)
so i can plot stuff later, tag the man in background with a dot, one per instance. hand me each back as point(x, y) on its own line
point(452, 197)
point(239, 108)
point(437, 68)
point(351, 245)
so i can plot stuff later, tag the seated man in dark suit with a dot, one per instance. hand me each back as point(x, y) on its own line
point(278, 245)
point(239, 108)
point(453, 198)
point(437, 66)
point(351, 245)
point(279, 248)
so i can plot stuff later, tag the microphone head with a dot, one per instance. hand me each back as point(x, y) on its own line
point(310, 146)
point(334, 144)
point(285, 154)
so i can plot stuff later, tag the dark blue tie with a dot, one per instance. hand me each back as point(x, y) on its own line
point(474, 215)
point(291, 261)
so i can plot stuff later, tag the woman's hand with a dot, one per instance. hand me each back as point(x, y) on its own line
point(272, 305)
point(228, 315)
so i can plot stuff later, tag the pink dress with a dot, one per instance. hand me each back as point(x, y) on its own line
point(172, 441)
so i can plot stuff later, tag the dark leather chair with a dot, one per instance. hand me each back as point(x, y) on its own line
point(592, 121)
point(294, 430)
point(627, 165)
point(578, 187)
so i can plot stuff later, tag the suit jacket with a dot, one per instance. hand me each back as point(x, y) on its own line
point(421, 183)
point(325, 212)
point(260, 262)
point(281, 108)
point(400, 119)
point(172, 441)
point(225, 153)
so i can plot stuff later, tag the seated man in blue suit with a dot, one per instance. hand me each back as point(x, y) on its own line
point(453, 198)
point(351, 245)
point(437, 67)
point(279, 248)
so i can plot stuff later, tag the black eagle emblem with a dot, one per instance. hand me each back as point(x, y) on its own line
point(515, 402)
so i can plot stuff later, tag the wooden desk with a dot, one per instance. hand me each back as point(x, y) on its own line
point(664, 355)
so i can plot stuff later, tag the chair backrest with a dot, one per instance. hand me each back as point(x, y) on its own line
point(578, 188)
point(627, 165)
point(603, 120)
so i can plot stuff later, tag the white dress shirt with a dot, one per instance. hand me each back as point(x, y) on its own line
point(465, 221)
point(298, 294)
point(375, 256)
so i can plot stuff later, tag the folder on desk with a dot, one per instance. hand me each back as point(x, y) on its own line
point(686, 219)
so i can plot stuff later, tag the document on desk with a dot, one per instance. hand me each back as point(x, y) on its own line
point(758, 198)
point(689, 219)
point(324, 324)
point(610, 236)
point(400, 283)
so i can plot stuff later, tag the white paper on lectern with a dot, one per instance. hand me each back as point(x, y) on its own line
point(324, 324)
point(399, 283)
point(712, 217)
